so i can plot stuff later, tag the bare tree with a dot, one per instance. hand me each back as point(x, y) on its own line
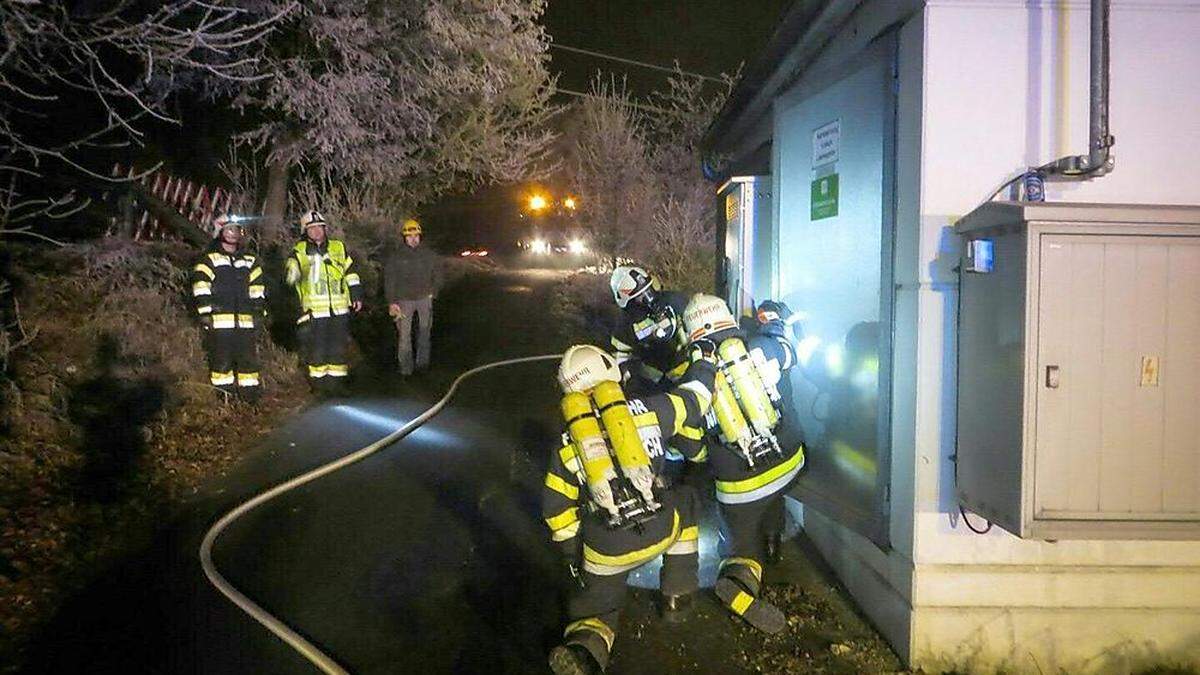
point(684, 223)
point(114, 64)
point(417, 96)
point(637, 165)
point(610, 168)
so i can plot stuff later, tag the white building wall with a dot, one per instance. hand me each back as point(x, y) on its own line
point(1005, 87)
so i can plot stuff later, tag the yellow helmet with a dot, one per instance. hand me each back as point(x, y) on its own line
point(410, 227)
point(584, 366)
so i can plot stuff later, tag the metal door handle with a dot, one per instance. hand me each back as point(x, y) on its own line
point(1052, 377)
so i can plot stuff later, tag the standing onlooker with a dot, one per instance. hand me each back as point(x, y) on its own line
point(323, 273)
point(230, 296)
point(412, 275)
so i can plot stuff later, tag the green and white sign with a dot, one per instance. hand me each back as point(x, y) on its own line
point(824, 197)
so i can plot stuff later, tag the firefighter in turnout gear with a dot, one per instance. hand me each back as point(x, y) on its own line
point(751, 455)
point(230, 299)
point(605, 504)
point(324, 275)
point(649, 342)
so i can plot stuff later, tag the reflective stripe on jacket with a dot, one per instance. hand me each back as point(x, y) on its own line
point(565, 503)
point(228, 287)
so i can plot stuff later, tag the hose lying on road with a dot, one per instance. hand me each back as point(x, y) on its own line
point(279, 628)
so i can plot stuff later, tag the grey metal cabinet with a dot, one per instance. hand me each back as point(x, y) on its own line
point(1079, 370)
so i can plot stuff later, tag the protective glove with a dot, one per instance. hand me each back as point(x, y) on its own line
point(703, 350)
point(572, 569)
point(573, 572)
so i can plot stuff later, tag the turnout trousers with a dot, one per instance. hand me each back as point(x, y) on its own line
point(233, 360)
point(747, 527)
point(595, 609)
point(326, 343)
point(422, 311)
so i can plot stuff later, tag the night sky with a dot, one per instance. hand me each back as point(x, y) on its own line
point(705, 36)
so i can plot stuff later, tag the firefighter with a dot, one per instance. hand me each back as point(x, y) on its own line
point(230, 295)
point(605, 506)
point(324, 275)
point(649, 344)
point(752, 456)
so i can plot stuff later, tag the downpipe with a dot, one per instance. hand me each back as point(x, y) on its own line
point(1099, 160)
point(308, 650)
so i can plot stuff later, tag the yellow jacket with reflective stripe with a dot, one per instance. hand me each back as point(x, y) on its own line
point(324, 277)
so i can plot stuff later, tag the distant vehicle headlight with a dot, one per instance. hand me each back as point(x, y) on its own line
point(578, 247)
point(540, 246)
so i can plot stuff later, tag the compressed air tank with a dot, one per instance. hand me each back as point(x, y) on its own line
point(625, 439)
point(584, 430)
point(729, 416)
point(748, 385)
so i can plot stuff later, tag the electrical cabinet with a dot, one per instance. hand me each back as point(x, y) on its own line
point(1079, 370)
point(745, 246)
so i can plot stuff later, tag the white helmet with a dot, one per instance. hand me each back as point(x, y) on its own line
point(584, 366)
point(310, 218)
point(629, 282)
point(220, 223)
point(706, 315)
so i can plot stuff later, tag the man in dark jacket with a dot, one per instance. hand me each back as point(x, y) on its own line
point(230, 295)
point(412, 275)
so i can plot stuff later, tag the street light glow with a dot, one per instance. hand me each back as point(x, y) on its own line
point(537, 203)
point(569, 203)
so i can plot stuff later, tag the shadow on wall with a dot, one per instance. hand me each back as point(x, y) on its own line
point(943, 271)
point(111, 409)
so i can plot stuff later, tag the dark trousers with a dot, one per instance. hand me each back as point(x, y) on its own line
point(233, 361)
point(747, 527)
point(422, 312)
point(595, 609)
point(325, 343)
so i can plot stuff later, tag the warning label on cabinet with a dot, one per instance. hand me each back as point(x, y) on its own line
point(827, 143)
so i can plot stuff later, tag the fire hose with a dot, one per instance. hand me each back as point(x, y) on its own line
point(272, 623)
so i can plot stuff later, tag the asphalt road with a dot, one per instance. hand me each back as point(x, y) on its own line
point(426, 557)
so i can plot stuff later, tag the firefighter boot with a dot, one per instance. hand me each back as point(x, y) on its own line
point(675, 608)
point(573, 659)
point(757, 612)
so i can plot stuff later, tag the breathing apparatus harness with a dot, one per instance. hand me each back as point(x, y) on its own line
point(601, 429)
point(746, 406)
point(660, 324)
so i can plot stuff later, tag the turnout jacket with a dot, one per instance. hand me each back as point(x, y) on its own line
point(735, 481)
point(647, 365)
point(228, 287)
point(566, 507)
